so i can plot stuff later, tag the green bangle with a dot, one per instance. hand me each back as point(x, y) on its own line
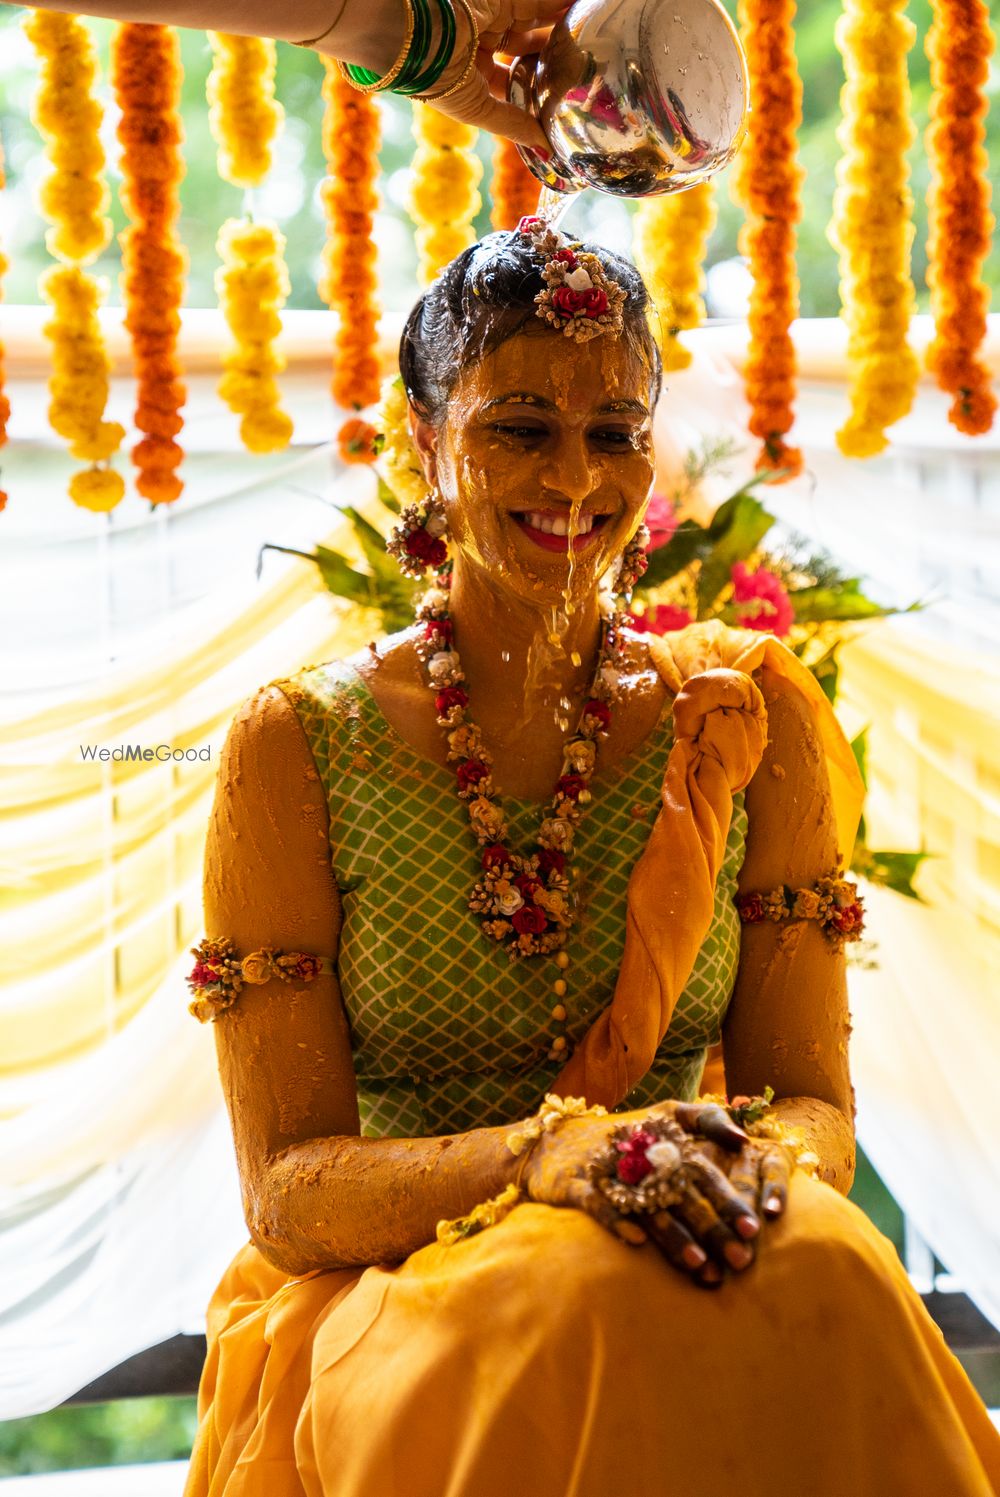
point(367, 82)
point(418, 50)
point(442, 57)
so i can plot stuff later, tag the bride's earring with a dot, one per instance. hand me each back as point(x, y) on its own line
point(633, 563)
point(419, 539)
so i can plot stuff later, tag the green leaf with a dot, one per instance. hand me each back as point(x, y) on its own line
point(387, 497)
point(892, 870)
point(827, 673)
point(372, 543)
point(843, 602)
point(737, 528)
point(342, 580)
point(859, 748)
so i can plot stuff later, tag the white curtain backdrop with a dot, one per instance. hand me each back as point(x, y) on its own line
point(119, 1200)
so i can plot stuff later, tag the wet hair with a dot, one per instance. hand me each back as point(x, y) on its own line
point(487, 295)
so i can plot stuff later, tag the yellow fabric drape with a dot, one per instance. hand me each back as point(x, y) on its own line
point(720, 732)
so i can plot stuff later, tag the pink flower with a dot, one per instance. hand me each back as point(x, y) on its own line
point(661, 521)
point(633, 1165)
point(662, 618)
point(777, 614)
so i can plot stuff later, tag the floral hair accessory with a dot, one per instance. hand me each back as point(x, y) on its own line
point(644, 1167)
point(833, 901)
point(579, 299)
point(218, 974)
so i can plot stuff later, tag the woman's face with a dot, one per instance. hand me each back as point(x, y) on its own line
point(545, 452)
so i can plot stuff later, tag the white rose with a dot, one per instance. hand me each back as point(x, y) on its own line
point(664, 1157)
point(435, 598)
point(436, 525)
point(556, 832)
point(609, 676)
point(579, 279)
point(509, 902)
point(442, 665)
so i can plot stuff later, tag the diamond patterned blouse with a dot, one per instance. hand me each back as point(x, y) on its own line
point(447, 1033)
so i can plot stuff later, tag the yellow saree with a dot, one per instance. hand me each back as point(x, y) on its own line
point(544, 1357)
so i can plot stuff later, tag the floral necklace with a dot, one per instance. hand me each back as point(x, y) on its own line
point(524, 901)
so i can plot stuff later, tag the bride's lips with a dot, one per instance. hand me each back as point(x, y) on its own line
point(530, 523)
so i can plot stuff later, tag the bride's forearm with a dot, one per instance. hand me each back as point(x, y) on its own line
point(369, 33)
point(345, 1202)
point(826, 1132)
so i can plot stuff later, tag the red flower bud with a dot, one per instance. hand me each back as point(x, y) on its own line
point(529, 920)
point(571, 785)
point(551, 861)
point(495, 856)
point(751, 909)
point(440, 628)
point(471, 772)
point(599, 710)
point(850, 920)
point(425, 547)
point(526, 884)
point(451, 696)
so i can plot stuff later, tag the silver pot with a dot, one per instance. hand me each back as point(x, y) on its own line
point(636, 97)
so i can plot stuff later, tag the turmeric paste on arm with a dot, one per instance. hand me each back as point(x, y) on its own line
point(315, 1194)
point(788, 1021)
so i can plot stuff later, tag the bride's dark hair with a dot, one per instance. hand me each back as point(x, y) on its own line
point(487, 295)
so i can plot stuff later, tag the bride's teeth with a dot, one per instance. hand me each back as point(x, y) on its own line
point(586, 524)
point(559, 526)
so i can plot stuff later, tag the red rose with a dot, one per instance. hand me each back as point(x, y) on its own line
point(495, 856)
point(529, 920)
point(470, 772)
point(550, 861)
point(751, 908)
point(529, 223)
point(451, 696)
point(850, 920)
point(526, 884)
point(633, 1165)
point(440, 628)
point(567, 257)
point(599, 710)
point(306, 968)
point(571, 785)
point(425, 547)
point(203, 976)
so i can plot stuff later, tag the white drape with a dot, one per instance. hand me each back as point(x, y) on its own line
point(119, 1202)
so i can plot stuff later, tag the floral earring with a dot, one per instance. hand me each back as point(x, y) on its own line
point(419, 539)
point(633, 563)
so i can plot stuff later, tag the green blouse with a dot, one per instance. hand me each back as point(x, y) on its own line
point(448, 1034)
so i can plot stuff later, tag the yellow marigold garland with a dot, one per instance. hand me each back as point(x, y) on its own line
point(74, 198)
point(252, 285)
point(872, 228)
point(959, 45)
point(349, 285)
point(146, 73)
point(444, 196)
point(670, 237)
point(243, 115)
point(398, 460)
point(513, 189)
point(769, 180)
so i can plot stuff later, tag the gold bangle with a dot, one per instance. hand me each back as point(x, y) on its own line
point(467, 71)
point(389, 78)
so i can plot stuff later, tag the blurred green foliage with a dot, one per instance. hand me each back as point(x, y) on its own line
point(291, 193)
point(127, 1432)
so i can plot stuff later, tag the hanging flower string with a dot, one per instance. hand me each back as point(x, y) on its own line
point(670, 238)
point(349, 284)
point(524, 901)
point(74, 198)
point(444, 195)
point(4, 401)
point(252, 283)
point(769, 180)
point(513, 189)
point(872, 227)
point(959, 45)
point(146, 73)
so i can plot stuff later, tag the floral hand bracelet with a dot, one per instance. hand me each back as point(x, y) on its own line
point(219, 974)
point(833, 901)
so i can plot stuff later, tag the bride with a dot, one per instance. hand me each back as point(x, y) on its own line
point(478, 901)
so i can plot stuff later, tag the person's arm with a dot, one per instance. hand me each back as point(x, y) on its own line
point(788, 1022)
point(315, 1194)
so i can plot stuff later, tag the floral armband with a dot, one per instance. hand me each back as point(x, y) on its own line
point(833, 901)
point(219, 974)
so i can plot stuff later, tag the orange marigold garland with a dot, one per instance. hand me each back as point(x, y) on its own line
point(74, 198)
point(444, 197)
point(670, 237)
point(146, 72)
point(959, 45)
point(513, 189)
point(769, 180)
point(872, 227)
point(349, 285)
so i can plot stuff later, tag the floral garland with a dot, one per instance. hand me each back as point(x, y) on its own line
point(398, 460)
point(872, 228)
point(244, 116)
point(74, 198)
point(959, 45)
point(146, 73)
point(525, 903)
point(769, 180)
point(252, 285)
point(444, 196)
point(670, 238)
point(513, 189)
point(218, 975)
point(349, 285)
point(832, 901)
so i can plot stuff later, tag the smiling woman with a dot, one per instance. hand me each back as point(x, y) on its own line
point(509, 849)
